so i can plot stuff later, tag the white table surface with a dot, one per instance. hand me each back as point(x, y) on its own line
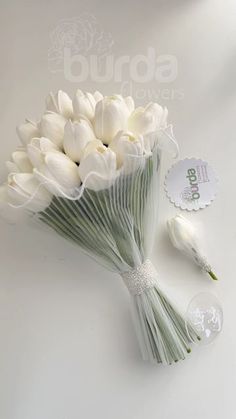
point(68, 349)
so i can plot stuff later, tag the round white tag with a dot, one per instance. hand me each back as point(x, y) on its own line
point(191, 184)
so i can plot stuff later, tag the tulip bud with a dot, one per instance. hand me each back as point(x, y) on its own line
point(27, 131)
point(97, 96)
point(91, 146)
point(76, 136)
point(183, 236)
point(60, 103)
point(12, 167)
point(59, 174)
point(98, 168)
point(20, 163)
point(84, 104)
point(149, 119)
point(111, 115)
point(25, 191)
point(37, 148)
point(52, 127)
point(130, 103)
point(125, 145)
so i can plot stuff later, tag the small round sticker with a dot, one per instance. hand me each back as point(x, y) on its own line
point(191, 184)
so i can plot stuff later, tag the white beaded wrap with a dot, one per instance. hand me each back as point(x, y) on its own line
point(141, 278)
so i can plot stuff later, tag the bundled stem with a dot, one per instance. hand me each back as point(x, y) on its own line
point(160, 328)
point(116, 227)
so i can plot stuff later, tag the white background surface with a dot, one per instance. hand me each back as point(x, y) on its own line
point(68, 348)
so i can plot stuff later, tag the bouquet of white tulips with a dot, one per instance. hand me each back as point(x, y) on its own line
point(89, 170)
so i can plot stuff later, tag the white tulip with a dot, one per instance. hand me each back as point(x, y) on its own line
point(12, 167)
point(149, 119)
point(37, 148)
point(52, 127)
point(111, 116)
point(184, 237)
point(60, 103)
point(20, 163)
point(98, 168)
point(164, 139)
point(27, 131)
point(91, 146)
point(26, 192)
point(125, 144)
point(182, 233)
point(59, 174)
point(84, 104)
point(130, 103)
point(76, 136)
point(97, 96)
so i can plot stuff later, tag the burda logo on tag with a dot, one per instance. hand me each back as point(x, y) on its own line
point(193, 183)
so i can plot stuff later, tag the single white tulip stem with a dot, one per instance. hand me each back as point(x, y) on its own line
point(183, 236)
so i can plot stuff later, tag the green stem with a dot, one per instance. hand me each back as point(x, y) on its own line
point(212, 275)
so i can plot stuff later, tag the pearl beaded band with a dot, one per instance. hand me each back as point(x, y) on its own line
point(141, 278)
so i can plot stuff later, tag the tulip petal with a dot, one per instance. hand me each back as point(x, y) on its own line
point(25, 190)
point(84, 104)
point(111, 115)
point(44, 144)
point(37, 148)
point(76, 136)
point(21, 159)
point(60, 103)
point(130, 103)
point(127, 147)
point(52, 127)
point(97, 96)
point(35, 155)
point(91, 146)
point(12, 167)
point(63, 170)
point(27, 131)
point(98, 169)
